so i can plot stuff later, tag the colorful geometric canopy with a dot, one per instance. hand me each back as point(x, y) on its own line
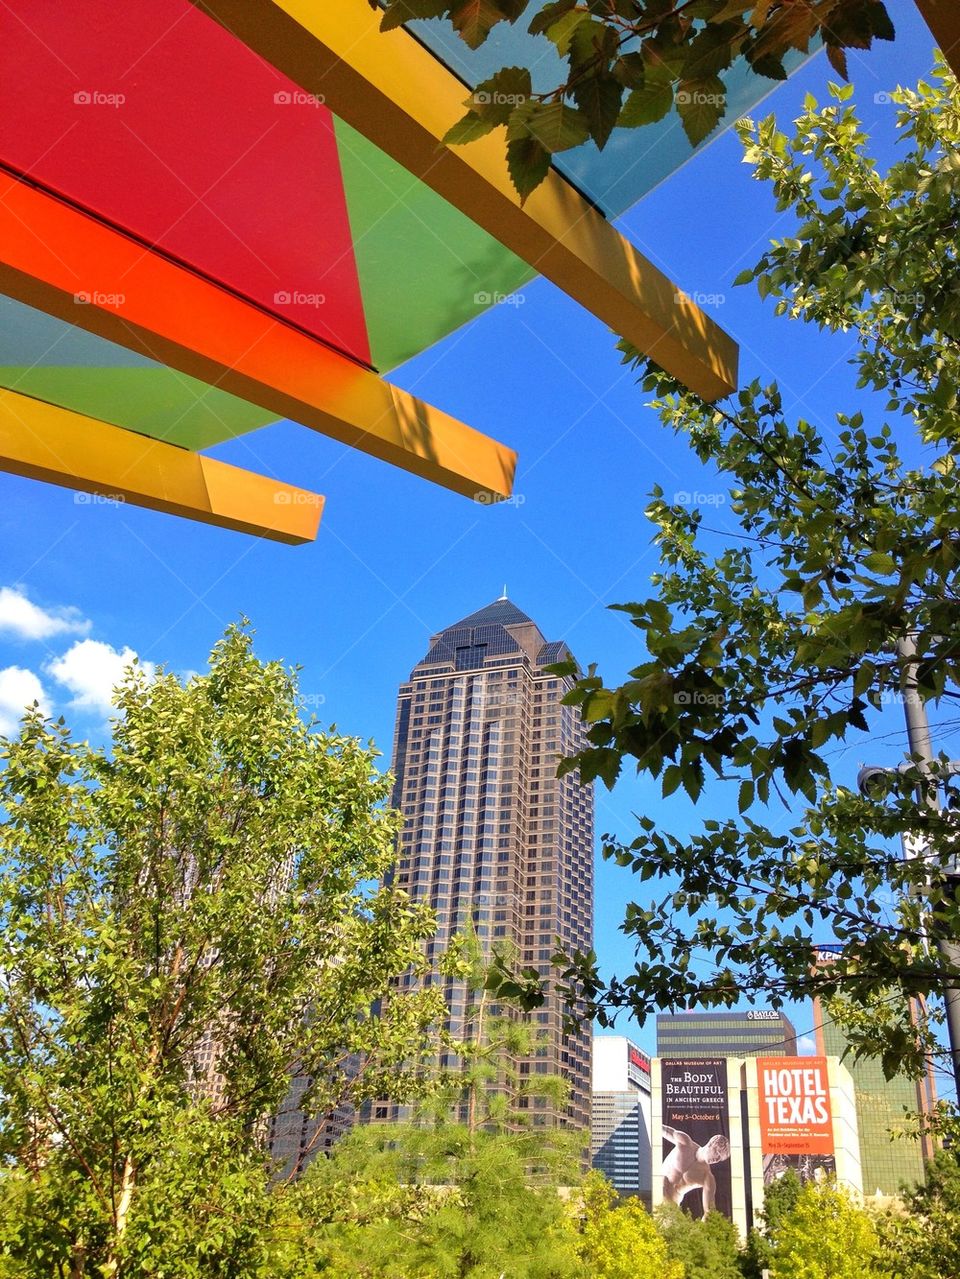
point(213, 216)
point(155, 119)
point(49, 359)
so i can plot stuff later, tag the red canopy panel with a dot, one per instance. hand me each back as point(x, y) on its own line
point(150, 115)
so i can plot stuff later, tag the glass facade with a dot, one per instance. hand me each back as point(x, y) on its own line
point(620, 1142)
point(620, 1124)
point(889, 1157)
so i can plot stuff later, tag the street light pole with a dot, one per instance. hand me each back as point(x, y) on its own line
point(918, 736)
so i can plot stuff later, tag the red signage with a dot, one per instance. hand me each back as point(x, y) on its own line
point(637, 1059)
point(795, 1115)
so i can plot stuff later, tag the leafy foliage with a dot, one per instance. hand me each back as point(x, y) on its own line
point(488, 1089)
point(438, 1201)
point(620, 1240)
point(840, 595)
point(187, 920)
point(826, 1235)
point(923, 1242)
point(707, 1248)
point(629, 62)
point(779, 1201)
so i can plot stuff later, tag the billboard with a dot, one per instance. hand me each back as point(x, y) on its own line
point(796, 1121)
point(696, 1135)
point(638, 1067)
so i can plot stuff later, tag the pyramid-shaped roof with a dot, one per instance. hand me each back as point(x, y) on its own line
point(501, 612)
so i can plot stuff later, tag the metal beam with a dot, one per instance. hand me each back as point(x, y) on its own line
point(45, 442)
point(63, 261)
point(394, 91)
point(943, 19)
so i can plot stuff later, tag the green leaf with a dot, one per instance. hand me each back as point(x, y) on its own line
point(599, 98)
point(498, 97)
point(701, 105)
point(528, 162)
point(398, 12)
point(553, 125)
point(629, 70)
point(475, 19)
point(710, 51)
point(561, 32)
point(672, 778)
point(693, 780)
point(548, 15)
point(647, 105)
point(469, 129)
point(880, 562)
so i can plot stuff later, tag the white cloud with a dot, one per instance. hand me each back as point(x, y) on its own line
point(25, 620)
point(807, 1046)
point(19, 689)
point(91, 670)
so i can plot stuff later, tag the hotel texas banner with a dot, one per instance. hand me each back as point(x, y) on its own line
point(796, 1120)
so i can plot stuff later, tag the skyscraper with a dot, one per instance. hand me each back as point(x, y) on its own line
point(492, 835)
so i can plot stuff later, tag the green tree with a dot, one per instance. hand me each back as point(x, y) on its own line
point(489, 1090)
point(438, 1201)
point(187, 918)
point(825, 1236)
point(470, 1185)
point(705, 1249)
point(779, 1200)
point(620, 1240)
point(630, 62)
point(923, 1241)
point(839, 594)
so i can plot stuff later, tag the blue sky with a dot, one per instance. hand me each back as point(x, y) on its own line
point(396, 558)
